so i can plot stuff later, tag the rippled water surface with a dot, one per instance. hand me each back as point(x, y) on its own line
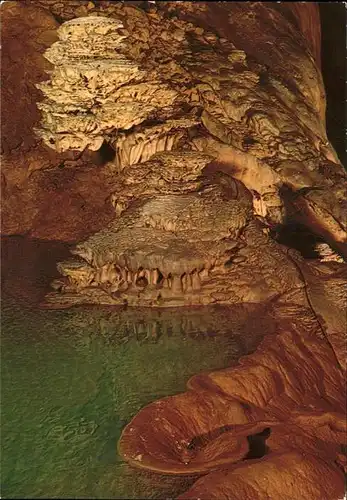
point(72, 379)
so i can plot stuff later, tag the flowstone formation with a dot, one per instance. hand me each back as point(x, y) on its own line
point(185, 231)
point(44, 194)
point(86, 98)
point(134, 74)
point(215, 113)
point(180, 243)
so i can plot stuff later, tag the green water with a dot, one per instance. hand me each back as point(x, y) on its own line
point(71, 380)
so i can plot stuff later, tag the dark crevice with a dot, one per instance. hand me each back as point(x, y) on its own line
point(333, 50)
point(257, 444)
point(57, 18)
point(264, 78)
point(142, 282)
point(299, 237)
point(106, 153)
point(160, 278)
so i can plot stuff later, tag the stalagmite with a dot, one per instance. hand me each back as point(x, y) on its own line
point(148, 276)
point(196, 283)
point(176, 286)
point(184, 282)
point(155, 276)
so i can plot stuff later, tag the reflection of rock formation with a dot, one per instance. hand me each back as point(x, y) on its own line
point(242, 324)
point(291, 385)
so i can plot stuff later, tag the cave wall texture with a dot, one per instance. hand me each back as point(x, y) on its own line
point(43, 195)
point(219, 137)
point(30, 173)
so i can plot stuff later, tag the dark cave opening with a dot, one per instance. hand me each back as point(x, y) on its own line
point(106, 153)
point(333, 17)
point(297, 232)
point(299, 237)
point(257, 444)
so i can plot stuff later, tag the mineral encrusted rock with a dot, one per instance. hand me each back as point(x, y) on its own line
point(215, 112)
point(95, 90)
point(160, 252)
point(182, 131)
point(84, 97)
point(44, 194)
point(291, 390)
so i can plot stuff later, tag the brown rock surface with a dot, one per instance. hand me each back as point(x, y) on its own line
point(290, 475)
point(307, 16)
point(291, 386)
point(56, 204)
point(248, 99)
point(38, 198)
point(259, 113)
point(27, 31)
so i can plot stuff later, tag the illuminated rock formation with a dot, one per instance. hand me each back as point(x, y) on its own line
point(228, 110)
point(44, 194)
point(84, 99)
point(159, 253)
point(215, 112)
point(290, 390)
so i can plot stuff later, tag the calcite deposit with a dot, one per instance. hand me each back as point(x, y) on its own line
point(215, 114)
point(160, 252)
point(44, 194)
point(84, 98)
point(282, 405)
point(179, 127)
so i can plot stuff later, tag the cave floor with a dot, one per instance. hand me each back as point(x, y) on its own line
point(72, 379)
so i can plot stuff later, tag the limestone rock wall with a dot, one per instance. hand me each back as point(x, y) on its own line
point(41, 194)
point(256, 107)
point(259, 113)
point(182, 84)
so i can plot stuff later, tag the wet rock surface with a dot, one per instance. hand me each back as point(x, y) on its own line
point(84, 372)
point(184, 206)
point(280, 387)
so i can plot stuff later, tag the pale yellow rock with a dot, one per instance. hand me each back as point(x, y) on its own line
point(81, 11)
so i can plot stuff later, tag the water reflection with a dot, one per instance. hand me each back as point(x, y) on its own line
point(72, 379)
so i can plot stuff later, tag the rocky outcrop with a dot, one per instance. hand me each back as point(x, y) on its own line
point(230, 110)
point(160, 252)
point(85, 100)
point(43, 193)
point(283, 406)
point(26, 31)
point(266, 129)
point(214, 113)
